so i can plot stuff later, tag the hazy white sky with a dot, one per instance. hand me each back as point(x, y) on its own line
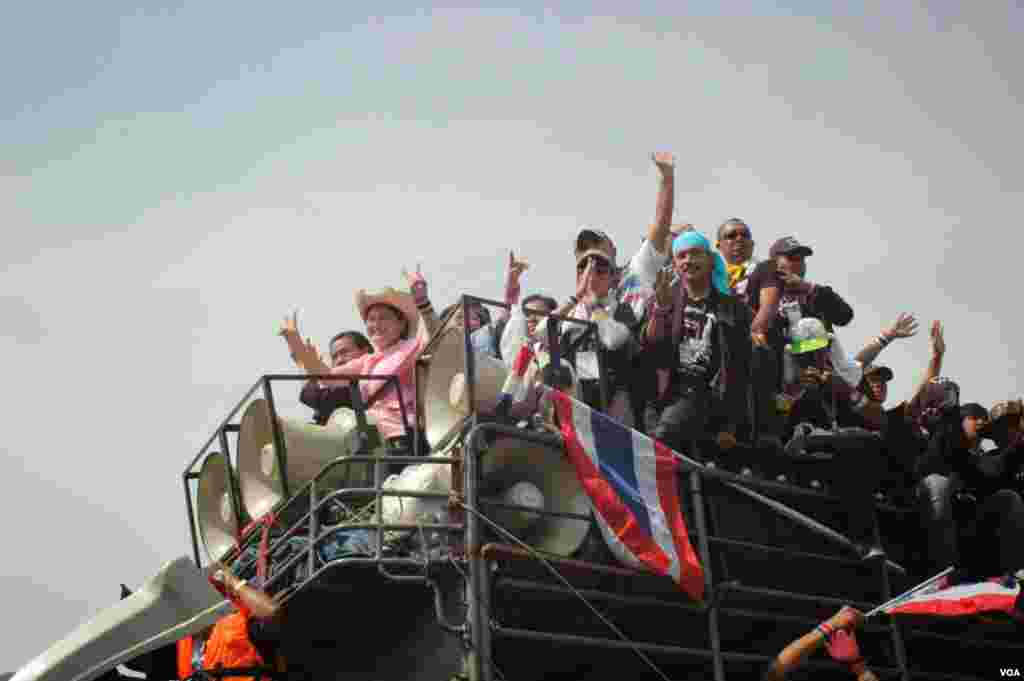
point(175, 178)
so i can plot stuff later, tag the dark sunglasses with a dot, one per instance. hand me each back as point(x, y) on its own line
point(601, 266)
point(729, 236)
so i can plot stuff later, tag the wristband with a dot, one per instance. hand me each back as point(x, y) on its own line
point(883, 341)
point(574, 301)
point(825, 629)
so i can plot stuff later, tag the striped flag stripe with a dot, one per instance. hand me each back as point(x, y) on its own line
point(632, 485)
point(607, 504)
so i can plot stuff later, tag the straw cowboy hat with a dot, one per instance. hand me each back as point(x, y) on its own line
point(400, 300)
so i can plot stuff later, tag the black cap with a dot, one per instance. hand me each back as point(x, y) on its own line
point(883, 371)
point(789, 245)
point(973, 409)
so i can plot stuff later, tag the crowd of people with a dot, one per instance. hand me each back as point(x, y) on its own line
point(707, 347)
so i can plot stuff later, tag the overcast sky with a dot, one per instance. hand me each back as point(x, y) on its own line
point(174, 179)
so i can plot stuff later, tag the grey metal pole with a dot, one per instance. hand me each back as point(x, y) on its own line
point(479, 580)
point(909, 592)
point(709, 587)
point(894, 630)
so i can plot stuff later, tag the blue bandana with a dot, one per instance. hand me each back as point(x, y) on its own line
point(692, 239)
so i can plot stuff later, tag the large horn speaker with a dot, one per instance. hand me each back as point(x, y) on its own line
point(520, 473)
point(176, 602)
point(309, 448)
point(445, 396)
point(215, 506)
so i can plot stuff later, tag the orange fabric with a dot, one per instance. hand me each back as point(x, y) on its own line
point(228, 646)
point(185, 658)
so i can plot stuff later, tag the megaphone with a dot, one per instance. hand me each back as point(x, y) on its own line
point(538, 477)
point(309, 448)
point(445, 393)
point(215, 506)
point(176, 602)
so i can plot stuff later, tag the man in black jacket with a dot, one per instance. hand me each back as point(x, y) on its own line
point(801, 298)
point(701, 334)
point(990, 511)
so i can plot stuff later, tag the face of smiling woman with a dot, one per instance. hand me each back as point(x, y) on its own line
point(384, 326)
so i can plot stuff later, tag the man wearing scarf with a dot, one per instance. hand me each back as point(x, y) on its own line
point(736, 244)
point(701, 333)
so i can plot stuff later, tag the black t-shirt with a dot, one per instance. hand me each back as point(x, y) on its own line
point(698, 352)
point(764, 276)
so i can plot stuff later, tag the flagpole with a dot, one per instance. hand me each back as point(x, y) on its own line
point(910, 592)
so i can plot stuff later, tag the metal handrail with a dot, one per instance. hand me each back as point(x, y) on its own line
point(480, 624)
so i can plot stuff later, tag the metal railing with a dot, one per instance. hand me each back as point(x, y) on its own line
point(481, 628)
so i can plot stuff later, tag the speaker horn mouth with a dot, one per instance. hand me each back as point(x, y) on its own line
point(215, 509)
point(268, 460)
point(458, 395)
point(526, 495)
point(227, 511)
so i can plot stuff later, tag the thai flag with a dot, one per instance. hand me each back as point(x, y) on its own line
point(516, 385)
point(946, 599)
point(632, 485)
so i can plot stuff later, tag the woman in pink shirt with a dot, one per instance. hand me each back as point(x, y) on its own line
point(399, 325)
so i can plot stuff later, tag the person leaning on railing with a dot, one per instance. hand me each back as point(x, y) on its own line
point(245, 639)
point(836, 634)
point(399, 326)
point(990, 514)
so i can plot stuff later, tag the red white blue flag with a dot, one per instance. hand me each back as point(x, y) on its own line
point(998, 595)
point(632, 484)
point(516, 383)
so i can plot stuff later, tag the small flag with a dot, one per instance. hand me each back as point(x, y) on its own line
point(947, 598)
point(517, 384)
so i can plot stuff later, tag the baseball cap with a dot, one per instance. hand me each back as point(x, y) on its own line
point(973, 409)
point(592, 241)
point(883, 371)
point(789, 245)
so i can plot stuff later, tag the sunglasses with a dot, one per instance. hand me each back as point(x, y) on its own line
point(730, 236)
point(601, 266)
